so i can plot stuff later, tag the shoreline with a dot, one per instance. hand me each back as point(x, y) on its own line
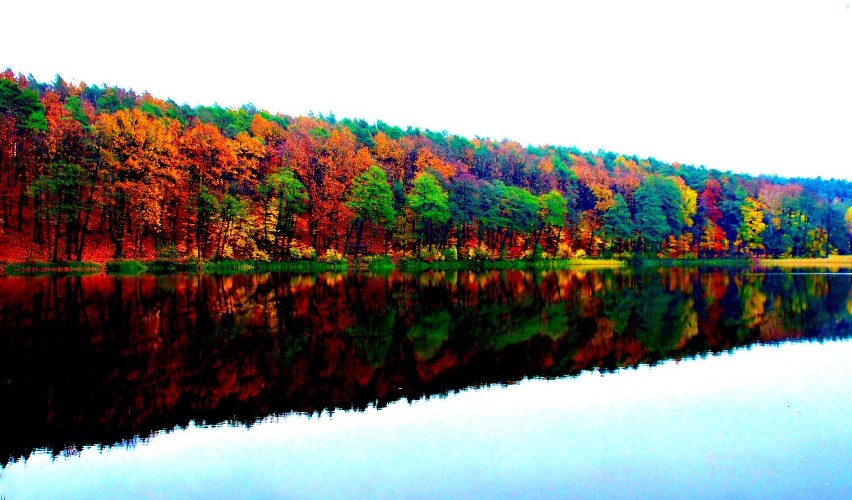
point(840, 261)
point(382, 263)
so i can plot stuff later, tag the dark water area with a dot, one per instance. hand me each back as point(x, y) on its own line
point(112, 362)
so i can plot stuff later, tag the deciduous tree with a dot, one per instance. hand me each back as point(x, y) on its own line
point(553, 209)
point(283, 191)
point(428, 201)
point(138, 171)
point(749, 236)
point(372, 202)
point(617, 225)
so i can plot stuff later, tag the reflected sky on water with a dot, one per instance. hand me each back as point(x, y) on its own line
point(765, 421)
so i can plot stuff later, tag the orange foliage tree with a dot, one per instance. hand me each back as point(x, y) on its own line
point(139, 169)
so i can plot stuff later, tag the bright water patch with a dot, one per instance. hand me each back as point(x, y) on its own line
point(767, 421)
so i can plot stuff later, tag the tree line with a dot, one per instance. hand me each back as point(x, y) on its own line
point(86, 165)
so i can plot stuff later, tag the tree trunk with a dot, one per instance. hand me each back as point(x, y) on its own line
point(140, 235)
point(36, 220)
point(348, 237)
point(71, 232)
point(506, 237)
point(359, 231)
point(84, 230)
point(56, 237)
point(117, 227)
point(388, 237)
point(21, 200)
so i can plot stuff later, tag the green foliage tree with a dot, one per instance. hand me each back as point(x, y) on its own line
point(617, 224)
point(651, 221)
point(677, 209)
point(372, 201)
point(282, 189)
point(59, 191)
point(428, 201)
point(491, 215)
point(552, 213)
point(794, 226)
point(521, 211)
point(114, 99)
point(75, 108)
point(732, 198)
point(838, 237)
point(463, 199)
point(23, 106)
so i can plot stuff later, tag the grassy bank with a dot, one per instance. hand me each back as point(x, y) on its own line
point(414, 265)
point(373, 263)
point(384, 264)
point(835, 262)
point(125, 267)
point(219, 267)
point(255, 266)
point(729, 263)
point(43, 268)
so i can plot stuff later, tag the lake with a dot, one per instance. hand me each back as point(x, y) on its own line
point(590, 383)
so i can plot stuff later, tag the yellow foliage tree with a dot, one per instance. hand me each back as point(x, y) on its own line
point(848, 219)
point(752, 227)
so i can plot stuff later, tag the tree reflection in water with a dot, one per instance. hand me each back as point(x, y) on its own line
point(100, 360)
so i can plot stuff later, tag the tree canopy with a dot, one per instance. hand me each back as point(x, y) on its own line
point(98, 172)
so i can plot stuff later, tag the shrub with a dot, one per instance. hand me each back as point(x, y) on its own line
point(166, 252)
point(378, 262)
point(301, 252)
point(125, 267)
point(479, 253)
point(564, 251)
point(431, 255)
point(260, 255)
point(332, 256)
point(193, 263)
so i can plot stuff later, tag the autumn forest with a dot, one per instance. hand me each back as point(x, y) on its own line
point(93, 172)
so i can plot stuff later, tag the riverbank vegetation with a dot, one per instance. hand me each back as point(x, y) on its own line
point(368, 263)
point(834, 262)
point(384, 263)
point(98, 173)
point(48, 268)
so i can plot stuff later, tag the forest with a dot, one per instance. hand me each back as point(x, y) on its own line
point(92, 172)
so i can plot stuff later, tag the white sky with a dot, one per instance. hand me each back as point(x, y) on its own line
point(750, 86)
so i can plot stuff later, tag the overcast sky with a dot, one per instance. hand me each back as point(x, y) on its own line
point(748, 86)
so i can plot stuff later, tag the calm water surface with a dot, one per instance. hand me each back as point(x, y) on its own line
point(566, 383)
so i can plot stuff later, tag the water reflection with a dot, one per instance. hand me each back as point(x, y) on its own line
point(101, 360)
